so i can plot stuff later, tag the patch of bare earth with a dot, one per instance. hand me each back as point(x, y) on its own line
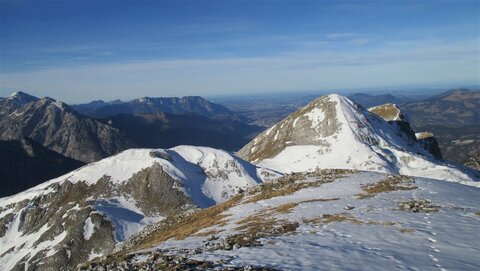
point(392, 183)
point(344, 217)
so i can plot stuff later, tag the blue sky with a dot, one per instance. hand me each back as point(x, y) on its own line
point(99, 49)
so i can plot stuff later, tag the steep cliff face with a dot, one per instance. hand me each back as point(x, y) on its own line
point(334, 132)
point(429, 143)
point(56, 126)
point(88, 212)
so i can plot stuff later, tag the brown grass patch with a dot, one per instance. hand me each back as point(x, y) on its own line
point(392, 183)
point(285, 208)
point(477, 213)
point(343, 217)
point(193, 223)
point(407, 230)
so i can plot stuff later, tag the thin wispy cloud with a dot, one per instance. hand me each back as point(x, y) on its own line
point(347, 35)
point(290, 71)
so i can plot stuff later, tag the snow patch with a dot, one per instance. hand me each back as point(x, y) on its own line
point(88, 228)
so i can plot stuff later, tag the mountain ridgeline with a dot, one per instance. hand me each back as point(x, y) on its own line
point(58, 127)
point(147, 105)
point(101, 129)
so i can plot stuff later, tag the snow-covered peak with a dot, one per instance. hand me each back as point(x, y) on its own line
point(22, 96)
point(334, 132)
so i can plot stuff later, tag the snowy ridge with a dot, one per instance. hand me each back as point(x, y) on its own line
point(219, 171)
point(334, 132)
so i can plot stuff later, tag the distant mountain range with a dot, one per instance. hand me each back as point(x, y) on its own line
point(455, 108)
point(98, 129)
point(368, 100)
point(147, 105)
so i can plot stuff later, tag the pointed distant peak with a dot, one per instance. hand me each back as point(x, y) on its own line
point(333, 97)
point(388, 111)
point(20, 95)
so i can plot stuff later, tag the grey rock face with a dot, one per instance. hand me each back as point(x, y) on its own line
point(56, 126)
point(473, 161)
point(296, 129)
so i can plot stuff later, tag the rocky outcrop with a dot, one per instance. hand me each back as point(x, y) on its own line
point(56, 126)
point(393, 115)
point(473, 161)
